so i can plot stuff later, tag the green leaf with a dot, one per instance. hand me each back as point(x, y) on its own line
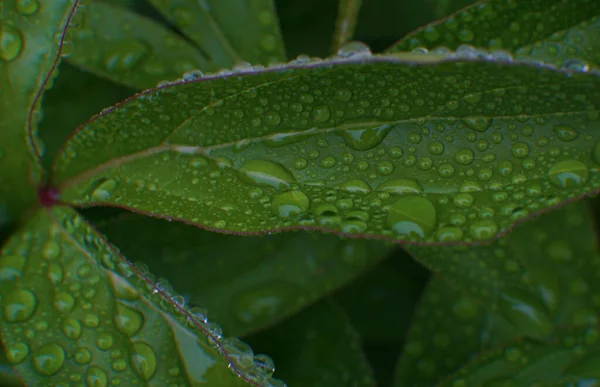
point(571, 358)
point(555, 257)
point(132, 50)
point(318, 347)
point(358, 146)
point(249, 33)
point(245, 283)
point(348, 11)
point(28, 54)
point(443, 8)
point(73, 311)
point(562, 33)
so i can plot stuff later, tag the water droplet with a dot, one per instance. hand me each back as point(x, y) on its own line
point(436, 148)
point(266, 173)
point(104, 341)
point(11, 267)
point(321, 113)
point(520, 150)
point(400, 186)
point(82, 356)
point(96, 377)
point(354, 49)
point(55, 273)
point(478, 124)
point(11, 43)
point(412, 215)
point(565, 133)
point(356, 186)
point(17, 352)
point(64, 302)
point(568, 174)
point(125, 55)
point(265, 364)
point(103, 189)
point(128, 320)
point(343, 95)
point(239, 353)
point(272, 118)
point(71, 328)
point(27, 7)
point(193, 75)
point(365, 138)
point(90, 320)
point(576, 65)
point(464, 156)
point(48, 359)
point(449, 234)
point(19, 305)
point(143, 360)
point(51, 250)
point(483, 229)
point(289, 204)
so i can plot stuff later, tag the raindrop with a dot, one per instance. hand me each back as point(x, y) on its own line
point(290, 204)
point(48, 359)
point(102, 189)
point(128, 320)
point(366, 138)
point(19, 305)
point(96, 377)
point(143, 360)
point(17, 352)
point(11, 43)
point(412, 216)
point(401, 186)
point(266, 173)
point(565, 133)
point(568, 174)
point(11, 267)
point(354, 49)
point(27, 7)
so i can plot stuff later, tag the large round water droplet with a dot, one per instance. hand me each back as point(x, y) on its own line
point(96, 377)
point(565, 133)
point(568, 174)
point(17, 352)
point(27, 7)
point(356, 186)
point(266, 173)
point(478, 124)
point(11, 43)
point(483, 229)
point(48, 359)
point(366, 138)
point(19, 305)
point(412, 216)
point(128, 320)
point(354, 49)
point(103, 189)
point(290, 204)
point(125, 55)
point(11, 267)
point(401, 186)
point(143, 360)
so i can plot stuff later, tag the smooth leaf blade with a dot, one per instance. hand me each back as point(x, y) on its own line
point(228, 31)
point(28, 53)
point(317, 347)
point(554, 257)
point(245, 283)
point(248, 154)
point(557, 32)
point(74, 310)
point(132, 50)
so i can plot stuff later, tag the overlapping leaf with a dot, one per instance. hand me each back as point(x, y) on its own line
point(245, 283)
point(375, 146)
point(316, 348)
point(563, 33)
point(132, 50)
point(228, 31)
point(27, 52)
point(348, 11)
point(74, 311)
point(555, 258)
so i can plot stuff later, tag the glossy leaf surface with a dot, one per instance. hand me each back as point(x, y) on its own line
point(75, 311)
point(228, 31)
point(132, 50)
point(556, 259)
point(363, 149)
point(27, 53)
point(245, 283)
point(316, 348)
point(570, 358)
point(348, 11)
point(563, 33)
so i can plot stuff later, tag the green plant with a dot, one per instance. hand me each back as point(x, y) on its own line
point(455, 143)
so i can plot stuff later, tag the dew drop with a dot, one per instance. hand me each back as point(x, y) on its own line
point(483, 229)
point(102, 189)
point(17, 352)
point(568, 174)
point(401, 186)
point(449, 234)
point(239, 353)
point(71, 328)
point(266, 173)
point(96, 377)
point(565, 133)
point(478, 124)
point(48, 359)
point(143, 360)
point(128, 320)
point(11, 267)
point(64, 302)
point(354, 49)
point(19, 305)
point(265, 364)
point(356, 186)
point(290, 204)
point(27, 7)
point(412, 215)
point(125, 55)
point(321, 113)
point(82, 356)
point(366, 138)
point(104, 341)
point(464, 156)
point(11, 43)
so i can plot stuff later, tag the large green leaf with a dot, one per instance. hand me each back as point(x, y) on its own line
point(316, 348)
point(570, 358)
point(74, 310)
point(130, 49)
point(245, 283)
point(28, 54)
point(556, 259)
point(348, 11)
point(564, 33)
point(375, 146)
point(228, 31)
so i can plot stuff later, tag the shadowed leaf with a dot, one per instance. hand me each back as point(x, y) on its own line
point(563, 33)
point(249, 153)
point(316, 348)
point(73, 308)
point(245, 283)
point(228, 31)
point(132, 50)
point(556, 261)
point(348, 11)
